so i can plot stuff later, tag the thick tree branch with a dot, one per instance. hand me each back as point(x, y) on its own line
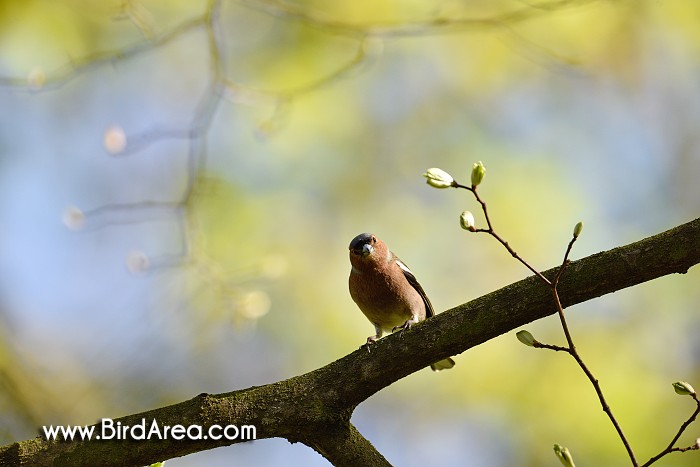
point(315, 408)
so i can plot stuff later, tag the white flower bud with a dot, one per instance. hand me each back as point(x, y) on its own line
point(526, 338)
point(564, 455)
point(683, 389)
point(466, 220)
point(438, 178)
point(478, 172)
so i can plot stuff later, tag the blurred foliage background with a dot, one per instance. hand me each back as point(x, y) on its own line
point(179, 182)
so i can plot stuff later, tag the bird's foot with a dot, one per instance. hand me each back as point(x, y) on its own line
point(403, 327)
point(370, 340)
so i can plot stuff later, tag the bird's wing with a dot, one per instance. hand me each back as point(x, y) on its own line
point(414, 283)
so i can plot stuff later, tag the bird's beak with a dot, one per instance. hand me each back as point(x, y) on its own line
point(363, 251)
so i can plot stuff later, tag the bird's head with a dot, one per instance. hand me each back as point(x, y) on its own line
point(363, 245)
point(366, 247)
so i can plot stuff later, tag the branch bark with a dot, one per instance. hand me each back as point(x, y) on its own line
point(315, 408)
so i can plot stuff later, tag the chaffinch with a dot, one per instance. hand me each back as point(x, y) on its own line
point(386, 291)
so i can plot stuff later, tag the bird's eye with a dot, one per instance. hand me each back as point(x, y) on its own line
point(374, 239)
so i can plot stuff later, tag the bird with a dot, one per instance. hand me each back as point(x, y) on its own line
point(386, 291)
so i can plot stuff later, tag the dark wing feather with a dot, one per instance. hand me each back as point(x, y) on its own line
point(414, 283)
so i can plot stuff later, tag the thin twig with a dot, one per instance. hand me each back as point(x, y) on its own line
point(556, 348)
point(493, 233)
point(594, 381)
point(571, 349)
point(669, 449)
point(555, 282)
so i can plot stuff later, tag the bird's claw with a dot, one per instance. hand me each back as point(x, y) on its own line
point(403, 327)
point(370, 340)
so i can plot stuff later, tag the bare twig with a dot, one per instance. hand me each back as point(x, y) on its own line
point(493, 233)
point(552, 285)
point(594, 381)
point(669, 449)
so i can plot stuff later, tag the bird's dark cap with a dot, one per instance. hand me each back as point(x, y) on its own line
point(362, 239)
